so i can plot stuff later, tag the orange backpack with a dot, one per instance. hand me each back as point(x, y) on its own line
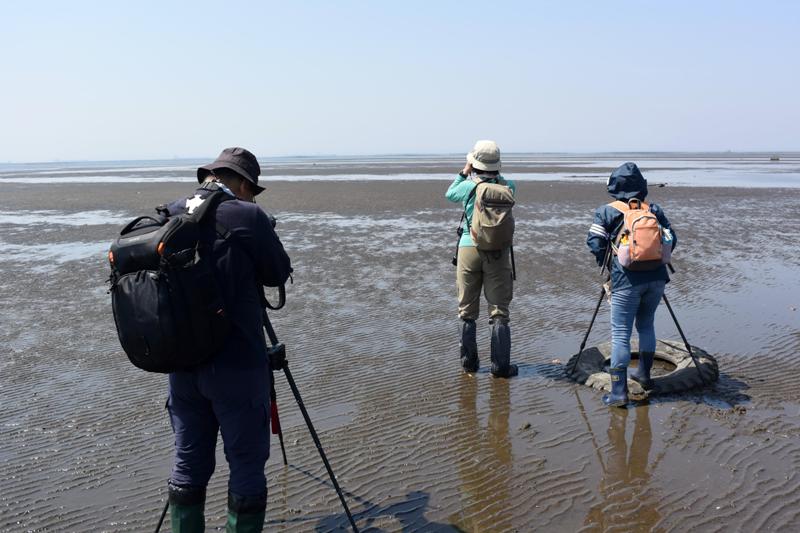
point(640, 243)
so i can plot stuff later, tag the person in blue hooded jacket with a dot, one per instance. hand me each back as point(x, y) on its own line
point(635, 295)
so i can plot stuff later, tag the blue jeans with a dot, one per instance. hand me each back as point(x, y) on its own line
point(637, 302)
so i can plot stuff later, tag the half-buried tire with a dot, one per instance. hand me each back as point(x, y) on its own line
point(592, 368)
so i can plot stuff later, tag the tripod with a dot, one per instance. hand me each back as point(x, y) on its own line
point(277, 359)
point(672, 314)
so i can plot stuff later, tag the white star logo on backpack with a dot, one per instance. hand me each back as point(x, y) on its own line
point(193, 203)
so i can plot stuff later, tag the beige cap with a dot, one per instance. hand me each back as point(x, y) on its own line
point(485, 155)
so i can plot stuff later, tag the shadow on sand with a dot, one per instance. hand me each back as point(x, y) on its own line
point(485, 488)
point(408, 514)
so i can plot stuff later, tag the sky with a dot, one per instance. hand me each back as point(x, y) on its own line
point(145, 80)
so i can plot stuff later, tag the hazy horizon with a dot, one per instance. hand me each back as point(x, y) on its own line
point(672, 153)
point(95, 81)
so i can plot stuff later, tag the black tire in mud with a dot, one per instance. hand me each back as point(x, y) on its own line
point(591, 369)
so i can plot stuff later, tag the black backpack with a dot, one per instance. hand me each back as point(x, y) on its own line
point(168, 309)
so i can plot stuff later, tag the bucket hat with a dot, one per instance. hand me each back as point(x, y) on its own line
point(239, 160)
point(485, 155)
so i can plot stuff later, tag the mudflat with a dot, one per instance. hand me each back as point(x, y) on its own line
point(371, 330)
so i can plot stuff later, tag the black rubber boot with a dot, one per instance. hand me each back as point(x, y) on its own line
point(501, 350)
point(641, 374)
point(469, 346)
point(619, 388)
point(186, 504)
point(246, 513)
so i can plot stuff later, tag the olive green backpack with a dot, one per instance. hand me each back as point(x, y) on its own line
point(492, 224)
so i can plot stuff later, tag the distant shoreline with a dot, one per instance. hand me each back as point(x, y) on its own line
point(743, 170)
point(450, 156)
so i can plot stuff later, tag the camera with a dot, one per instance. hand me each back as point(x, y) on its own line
point(277, 356)
point(459, 232)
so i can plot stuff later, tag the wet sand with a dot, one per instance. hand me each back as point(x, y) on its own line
point(371, 330)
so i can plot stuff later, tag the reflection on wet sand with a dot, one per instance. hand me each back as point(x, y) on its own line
point(484, 457)
point(628, 504)
point(418, 446)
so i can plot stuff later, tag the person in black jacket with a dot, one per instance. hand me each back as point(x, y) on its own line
point(230, 393)
point(635, 295)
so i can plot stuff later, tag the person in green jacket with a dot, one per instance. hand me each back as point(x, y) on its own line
point(479, 269)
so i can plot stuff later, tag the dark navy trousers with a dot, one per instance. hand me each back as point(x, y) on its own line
point(232, 401)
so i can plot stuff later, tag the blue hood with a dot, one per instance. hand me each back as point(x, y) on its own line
point(627, 182)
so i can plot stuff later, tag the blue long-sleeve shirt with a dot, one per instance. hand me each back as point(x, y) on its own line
point(252, 257)
point(460, 191)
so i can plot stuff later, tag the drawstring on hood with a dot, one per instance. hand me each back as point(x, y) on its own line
point(627, 182)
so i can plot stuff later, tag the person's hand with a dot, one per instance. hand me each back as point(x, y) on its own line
point(467, 169)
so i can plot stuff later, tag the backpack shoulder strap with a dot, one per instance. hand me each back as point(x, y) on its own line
point(478, 182)
point(210, 204)
point(209, 207)
point(616, 235)
point(619, 205)
point(464, 211)
point(472, 193)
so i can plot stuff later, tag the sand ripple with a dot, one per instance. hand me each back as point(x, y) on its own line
point(371, 329)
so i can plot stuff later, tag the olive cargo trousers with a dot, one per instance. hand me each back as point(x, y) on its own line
point(488, 270)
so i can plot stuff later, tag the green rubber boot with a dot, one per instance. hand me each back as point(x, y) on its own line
point(186, 505)
point(245, 513)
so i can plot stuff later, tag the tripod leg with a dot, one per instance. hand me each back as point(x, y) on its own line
point(163, 514)
point(591, 324)
point(276, 421)
point(685, 342)
point(314, 436)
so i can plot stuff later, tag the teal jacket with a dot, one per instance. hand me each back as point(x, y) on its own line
point(460, 190)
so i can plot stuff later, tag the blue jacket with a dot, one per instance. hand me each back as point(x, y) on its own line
point(252, 257)
point(625, 183)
